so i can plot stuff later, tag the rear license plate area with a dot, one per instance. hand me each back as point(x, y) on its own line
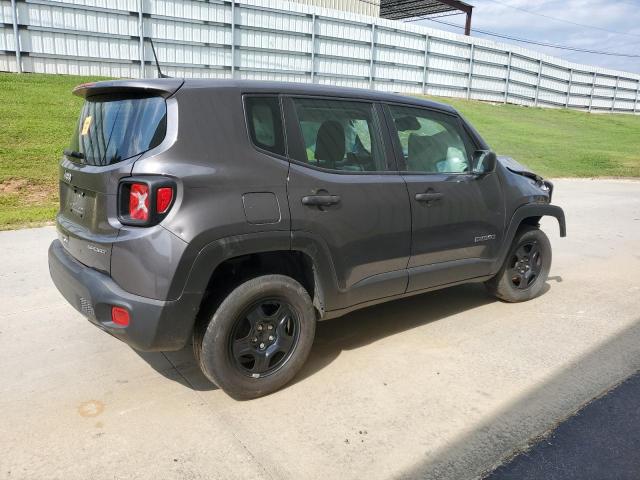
point(77, 203)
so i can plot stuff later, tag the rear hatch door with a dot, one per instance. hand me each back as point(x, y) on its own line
point(119, 121)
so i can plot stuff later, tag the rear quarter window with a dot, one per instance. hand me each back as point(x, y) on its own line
point(264, 121)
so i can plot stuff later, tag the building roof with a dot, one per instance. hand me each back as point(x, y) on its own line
point(397, 9)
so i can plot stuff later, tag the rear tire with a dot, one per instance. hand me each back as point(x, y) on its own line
point(525, 269)
point(258, 338)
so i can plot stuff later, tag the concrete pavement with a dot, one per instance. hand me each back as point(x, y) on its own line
point(444, 385)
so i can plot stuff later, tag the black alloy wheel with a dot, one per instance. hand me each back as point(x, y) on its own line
point(258, 337)
point(525, 269)
point(525, 265)
point(263, 337)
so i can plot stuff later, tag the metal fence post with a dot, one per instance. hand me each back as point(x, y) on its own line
point(373, 52)
point(593, 87)
point(535, 103)
point(141, 35)
point(233, 38)
point(470, 72)
point(313, 46)
point(566, 103)
point(16, 35)
point(425, 71)
point(506, 84)
point(615, 94)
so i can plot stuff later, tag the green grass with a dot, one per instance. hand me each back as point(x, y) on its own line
point(38, 114)
point(559, 143)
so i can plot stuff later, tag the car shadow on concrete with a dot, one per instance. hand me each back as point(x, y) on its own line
point(535, 414)
point(362, 327)
point(179, 366)
point(351, 331)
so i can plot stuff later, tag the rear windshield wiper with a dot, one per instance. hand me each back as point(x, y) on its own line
point(73, 153)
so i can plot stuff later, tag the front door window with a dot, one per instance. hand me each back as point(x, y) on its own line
point(431, 142)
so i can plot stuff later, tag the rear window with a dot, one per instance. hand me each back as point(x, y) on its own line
point(113, 128)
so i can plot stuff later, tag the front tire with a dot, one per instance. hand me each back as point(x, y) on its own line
point(525, 269)
point(258, 338)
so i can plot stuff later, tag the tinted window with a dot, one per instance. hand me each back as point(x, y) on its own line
point(431, 142)
point(265, 123)
point(340, 135)
point(113, 128)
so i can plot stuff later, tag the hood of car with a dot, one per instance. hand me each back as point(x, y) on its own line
point(516, 167)
point(519, 169)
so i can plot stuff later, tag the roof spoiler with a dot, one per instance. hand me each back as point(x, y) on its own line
point(164, 87)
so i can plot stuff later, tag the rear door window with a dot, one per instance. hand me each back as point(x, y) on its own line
point(340, 135)
point(113, 128)
point(265, 123)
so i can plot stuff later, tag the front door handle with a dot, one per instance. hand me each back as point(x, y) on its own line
point(428, 197)
point(320, 200)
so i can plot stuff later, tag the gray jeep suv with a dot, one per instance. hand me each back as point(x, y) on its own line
point(237, 214)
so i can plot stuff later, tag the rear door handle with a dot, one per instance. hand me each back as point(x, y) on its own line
point(428, 197)
point(320, 200)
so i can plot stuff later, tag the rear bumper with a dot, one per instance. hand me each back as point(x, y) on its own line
point(154, 325)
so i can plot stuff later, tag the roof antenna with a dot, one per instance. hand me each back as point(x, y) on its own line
point(160, 74)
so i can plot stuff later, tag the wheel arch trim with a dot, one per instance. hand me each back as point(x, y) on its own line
point(212, 255)
point(527, 211)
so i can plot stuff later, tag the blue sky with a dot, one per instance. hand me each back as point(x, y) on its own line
point(500, 16)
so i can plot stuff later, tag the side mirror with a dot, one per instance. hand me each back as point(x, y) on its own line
point(484, 161)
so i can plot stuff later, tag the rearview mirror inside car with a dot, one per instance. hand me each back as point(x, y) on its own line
point(484, 161)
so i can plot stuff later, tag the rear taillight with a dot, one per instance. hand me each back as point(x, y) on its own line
point(163, 199)
point(139, 201)
point(145, 201)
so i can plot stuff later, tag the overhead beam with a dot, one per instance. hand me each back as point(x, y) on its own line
point(463, 7)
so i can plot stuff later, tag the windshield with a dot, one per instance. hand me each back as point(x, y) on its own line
point(113, 128)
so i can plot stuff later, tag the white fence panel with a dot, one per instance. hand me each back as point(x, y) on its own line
point(630, 84)
point(7, 41)
point(337, 48)
point(278, 40)
point(490, 56)
point(187, 32)
point(487, 85)
point(399, 39)
point(186, 9)
point(490, 70)
point(454, 65)
point(628, 94)
point(5, 12)
point(63, 17)
point(606, 80)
